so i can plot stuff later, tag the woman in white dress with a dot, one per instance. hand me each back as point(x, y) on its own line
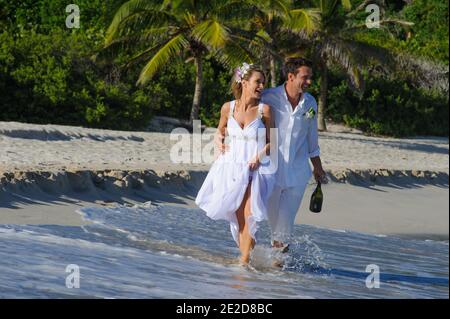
point(240, 180)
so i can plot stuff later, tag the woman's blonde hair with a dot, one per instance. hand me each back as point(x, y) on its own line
point(244, 72)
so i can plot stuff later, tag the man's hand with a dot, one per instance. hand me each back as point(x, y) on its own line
point(254, 163)
point(320, 175)
point(318, 172)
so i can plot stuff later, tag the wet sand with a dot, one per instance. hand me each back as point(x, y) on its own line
point(381, 186)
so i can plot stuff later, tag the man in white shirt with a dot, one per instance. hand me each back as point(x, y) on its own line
point(295, 116)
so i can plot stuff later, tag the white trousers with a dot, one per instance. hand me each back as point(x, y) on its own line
point(283, 205)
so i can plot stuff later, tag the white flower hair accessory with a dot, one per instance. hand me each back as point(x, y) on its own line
point(242, 71)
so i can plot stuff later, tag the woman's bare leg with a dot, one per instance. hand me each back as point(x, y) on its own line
point(246, 242)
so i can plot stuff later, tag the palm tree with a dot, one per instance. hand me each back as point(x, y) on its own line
point(273, 22)
point(334, 42)
point(176, 27)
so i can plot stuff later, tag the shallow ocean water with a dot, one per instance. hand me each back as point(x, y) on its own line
point(149, 251)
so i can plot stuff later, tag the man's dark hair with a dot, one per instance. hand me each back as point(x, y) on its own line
point(291, 65)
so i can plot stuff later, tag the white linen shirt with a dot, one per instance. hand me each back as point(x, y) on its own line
point(298, 138)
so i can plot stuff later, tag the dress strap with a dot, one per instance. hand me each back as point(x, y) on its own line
point(232, 104)
point(260, 110)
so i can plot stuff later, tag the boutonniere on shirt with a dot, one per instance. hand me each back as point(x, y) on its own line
point(310, 113)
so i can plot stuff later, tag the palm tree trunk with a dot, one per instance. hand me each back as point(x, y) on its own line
point(273, 72)
point(198, 89)
point(323, 96)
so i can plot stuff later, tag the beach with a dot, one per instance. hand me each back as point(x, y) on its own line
point(103, 155)
point(116, 208)
point(377, 185)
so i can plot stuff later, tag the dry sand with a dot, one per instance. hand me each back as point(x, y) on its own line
point(29, 147)
point(379, 185)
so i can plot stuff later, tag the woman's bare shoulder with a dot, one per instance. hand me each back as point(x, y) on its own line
point(225, 107)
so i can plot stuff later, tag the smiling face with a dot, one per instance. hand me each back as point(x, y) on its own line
point(254, 86)
point(302, 80)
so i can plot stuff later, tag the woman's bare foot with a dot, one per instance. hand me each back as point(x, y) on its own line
point(244, 260)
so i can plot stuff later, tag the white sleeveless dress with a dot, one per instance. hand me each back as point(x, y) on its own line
point(224, 187)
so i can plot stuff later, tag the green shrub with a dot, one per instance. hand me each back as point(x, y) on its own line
point(51, 79)
point(389, 107)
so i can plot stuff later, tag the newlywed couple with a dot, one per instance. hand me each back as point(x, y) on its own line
point(247, 184)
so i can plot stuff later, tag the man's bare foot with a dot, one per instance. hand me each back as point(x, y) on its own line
point(278, 263)
point(284, 248)
point(277, 244)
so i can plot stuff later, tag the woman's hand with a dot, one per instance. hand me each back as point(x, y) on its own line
point(254, 163)
point(220, 145)
point(223, 148)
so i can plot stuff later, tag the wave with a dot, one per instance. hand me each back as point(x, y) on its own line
point(150, 251)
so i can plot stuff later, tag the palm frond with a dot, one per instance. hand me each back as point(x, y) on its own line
point(423, 72)
point(171, 48)
point(402, 23)
point(363, 6)
point(347, 4)
point(277, 7)
point(338, 51)
point(190, 19)
point(151, 35)
point(367, 54)
point(264, 37)
point(236, 11)
point(211, 33)
point(417, 70)
point(135, 15)
point(304, 20)
point(233, 54)
point(142, 55)
point(263, 46)
point(327, 7)
point(383, 24)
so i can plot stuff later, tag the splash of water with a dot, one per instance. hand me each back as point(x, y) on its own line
point(304, 255)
